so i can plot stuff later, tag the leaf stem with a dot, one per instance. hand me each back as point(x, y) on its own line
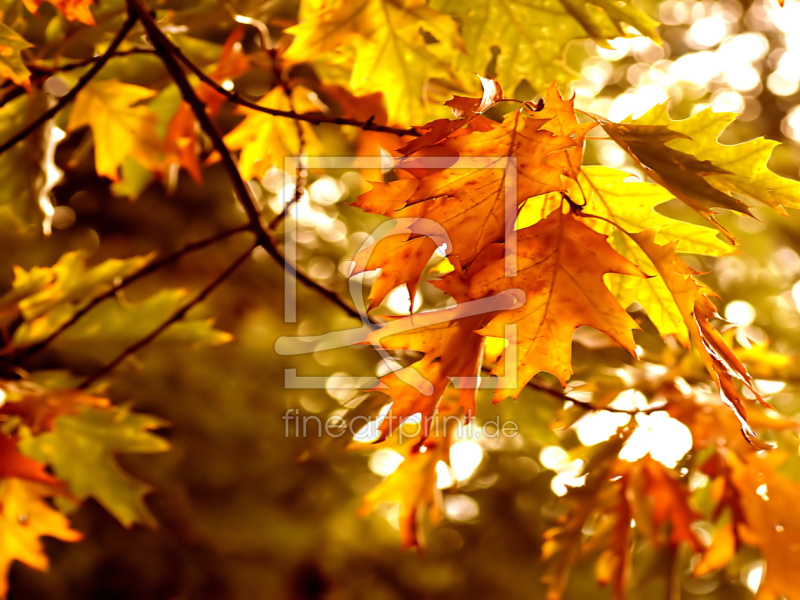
point(130, 21)
point(176, 316)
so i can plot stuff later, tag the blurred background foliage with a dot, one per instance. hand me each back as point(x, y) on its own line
point(246, 511)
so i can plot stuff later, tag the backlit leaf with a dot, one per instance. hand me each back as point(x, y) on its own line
point(81, 449)
point(121, 126)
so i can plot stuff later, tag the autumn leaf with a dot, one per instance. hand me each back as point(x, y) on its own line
point(401, 261)
point(475, 197)
point(388, 47)
point(597, 497)
point(11, 65)
point(13, 464)
point(183, 145)
point(46, 297)
point(73, 10)
point(685, 157)
point(25, 517)
point(413, 488)
point(745, 165)
point(626, 205)
point(38, 406)
point(692, 301)
point(560, 264)
point(21, 167)
point(668, 502)
point(771, 524)
point(451, 350)
point(368, 143)
point(81, 448)
point(122, 127)
point(532, 35)
point(267, 141)
point(413, 485)
point(117, 323)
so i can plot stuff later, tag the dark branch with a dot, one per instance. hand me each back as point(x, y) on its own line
point(560, 395)
point(70, 95)
point(147, 269)
point(167, 51)
point(176, 316)
point(43, 70)
point(165, 46)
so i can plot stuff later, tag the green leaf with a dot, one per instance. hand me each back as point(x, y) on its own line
point(113, 325)
point(81, 449)
point(47, 297)
point(20, 166)
point(11, 65)
point(532, 35)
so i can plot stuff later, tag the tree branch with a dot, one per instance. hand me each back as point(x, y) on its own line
point(70, 95)
point(147, 269)
point(165, 46)
point(586, 405)
point(176, 316)
point(38, 69)
point(167, 51)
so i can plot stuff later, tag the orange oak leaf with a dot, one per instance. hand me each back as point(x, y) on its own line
point(73, 10)
point(472, 182)
point(369, 143)
point(692, 301)
point(412, 486)
point(14, 464)
point(562, 121)
point(400, 259)
point(560, 264)
point(25, 516)
point(669, 502)
point(451, 350)
point(599, 497)
point(769, 501)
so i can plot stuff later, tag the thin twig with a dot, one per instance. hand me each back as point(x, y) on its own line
point(165, 46)
point(585, 404)
point(147, 269)
point(272, 56)
point(84, 62)
point(168, 53)
point(175, 317)
point(70, 95)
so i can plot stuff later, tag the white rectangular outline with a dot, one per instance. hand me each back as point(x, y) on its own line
point(510, 263)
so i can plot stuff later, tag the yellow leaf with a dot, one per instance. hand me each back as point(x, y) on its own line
point(266, 141)
point(630, 206)
point(24, 518)
point(383, 41)
point(121, 127)
point(11, 64)
point(745, 164)
point(532, 35)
